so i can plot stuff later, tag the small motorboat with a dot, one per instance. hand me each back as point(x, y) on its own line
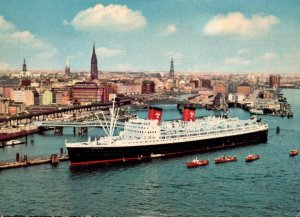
point(196, 163)
point(293, 152)
point(225, 159)
point(14, 142)
point(252, 157)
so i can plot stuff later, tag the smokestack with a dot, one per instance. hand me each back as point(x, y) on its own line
point(154, 113)
point(188, 114)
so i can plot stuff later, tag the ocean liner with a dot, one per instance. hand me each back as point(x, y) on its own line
point(143, 139)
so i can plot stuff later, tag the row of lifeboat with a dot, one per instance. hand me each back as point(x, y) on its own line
point(196, 163)
point(224, 159)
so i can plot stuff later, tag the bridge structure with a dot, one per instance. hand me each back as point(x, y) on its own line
point(82, 127)
point(32, 117)
point(92, 123)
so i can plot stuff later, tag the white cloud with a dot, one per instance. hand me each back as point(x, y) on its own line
point(4, 25)
point(235, 23)
point(45, 55)
point(169, 30)
point(27, 37)
point(31, 43)
point(268, 56)
point(109, 52)
point(65, 22)
point(112, 17)
point(175, 55)
point(236, 61)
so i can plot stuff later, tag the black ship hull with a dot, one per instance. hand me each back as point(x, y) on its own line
point(109, 155)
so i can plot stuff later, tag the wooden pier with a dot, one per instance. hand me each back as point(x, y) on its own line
point(53, 159)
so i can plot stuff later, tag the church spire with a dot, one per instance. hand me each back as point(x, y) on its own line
point(67, 68)
point(94, 64)
point(94, 52)
point(24, 66)
point(171, 73)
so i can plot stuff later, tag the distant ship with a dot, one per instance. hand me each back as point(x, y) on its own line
point(149, 138)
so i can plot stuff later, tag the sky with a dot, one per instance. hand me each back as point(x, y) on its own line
point(143, 35)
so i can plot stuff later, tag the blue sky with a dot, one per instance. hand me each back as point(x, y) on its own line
point(201, 35)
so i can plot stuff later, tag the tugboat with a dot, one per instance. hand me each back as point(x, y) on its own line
point(196, 163)
point(225, 159)
point(293, 152)
point(252, 157)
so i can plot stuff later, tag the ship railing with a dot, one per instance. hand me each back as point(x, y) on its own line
point(212, 133)
point(187, 137)
point(200, 132)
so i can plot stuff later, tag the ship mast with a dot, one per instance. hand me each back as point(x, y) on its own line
point(112, 111)
point(113, 119)
point(109, 128)
point(103, 127)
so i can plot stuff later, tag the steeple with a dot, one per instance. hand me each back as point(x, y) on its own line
point(94, 64)
point(24, 66)
point(94, 51)
point(171, 73)
point(24, 73)
point(67, 68)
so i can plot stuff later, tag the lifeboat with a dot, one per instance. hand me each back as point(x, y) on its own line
point(225, 159)
point(156, 155)
point(293, 153)
point(196, 163)
point(252, 157)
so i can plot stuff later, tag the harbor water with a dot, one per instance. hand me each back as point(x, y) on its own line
point(161, 187)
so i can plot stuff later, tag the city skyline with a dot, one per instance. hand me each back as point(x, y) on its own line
point(213, 36)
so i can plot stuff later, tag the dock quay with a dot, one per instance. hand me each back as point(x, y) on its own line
point(53, 159)
point(268, 102)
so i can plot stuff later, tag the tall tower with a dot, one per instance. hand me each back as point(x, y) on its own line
point(171, 73)
point(24, 66)
point(67, 68)
point(25, 75)
point(94, 65)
